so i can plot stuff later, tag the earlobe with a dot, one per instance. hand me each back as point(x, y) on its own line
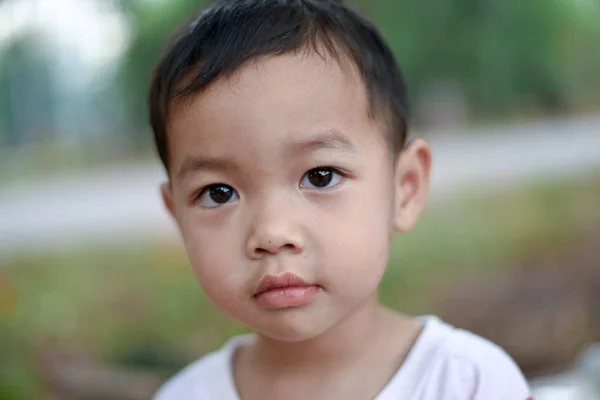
point(412, 184)
point(167, 196)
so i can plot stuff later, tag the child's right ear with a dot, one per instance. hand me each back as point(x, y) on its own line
point(167, 196)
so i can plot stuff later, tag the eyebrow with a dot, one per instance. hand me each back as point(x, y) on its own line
point(329, 140)
point(194, 164)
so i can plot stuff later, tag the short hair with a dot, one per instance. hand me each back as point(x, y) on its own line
point(231, 33)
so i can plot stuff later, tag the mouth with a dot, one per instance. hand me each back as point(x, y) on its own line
point(284, 291)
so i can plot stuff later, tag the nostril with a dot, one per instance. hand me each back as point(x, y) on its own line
point(291, 248)
point(270, 249)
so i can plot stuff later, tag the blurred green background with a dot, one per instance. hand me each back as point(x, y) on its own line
point(97, 299)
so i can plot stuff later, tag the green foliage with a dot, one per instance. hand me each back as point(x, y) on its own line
point(25, 85)
point(506, 56)
point(153, 25)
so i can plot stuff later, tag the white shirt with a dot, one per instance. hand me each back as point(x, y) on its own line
point(445, 363)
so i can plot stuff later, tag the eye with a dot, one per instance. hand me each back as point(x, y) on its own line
point(216, 195)
point(321, 178)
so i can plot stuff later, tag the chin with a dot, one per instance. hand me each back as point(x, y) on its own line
point(290, 326)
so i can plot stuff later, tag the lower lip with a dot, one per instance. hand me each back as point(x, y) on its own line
point(294, 296)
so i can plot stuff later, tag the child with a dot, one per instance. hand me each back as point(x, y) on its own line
point(282, 125)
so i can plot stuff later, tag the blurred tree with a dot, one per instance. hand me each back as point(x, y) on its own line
point(580, 55)
point(501, 53)
point(6, 136)
point(504, 56)
point(26, 102)
point(152, 24)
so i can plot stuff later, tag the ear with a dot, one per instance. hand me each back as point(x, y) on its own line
point(167, 196)
point(411, 184)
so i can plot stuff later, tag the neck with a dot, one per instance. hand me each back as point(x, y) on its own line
point(340, 345)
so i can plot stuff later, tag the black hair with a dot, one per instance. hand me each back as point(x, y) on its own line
point(231, 33)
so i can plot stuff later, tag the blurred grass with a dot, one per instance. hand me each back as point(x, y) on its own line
point(487, 231)
point(139, 305)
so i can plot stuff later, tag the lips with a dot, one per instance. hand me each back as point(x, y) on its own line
point(284, 291)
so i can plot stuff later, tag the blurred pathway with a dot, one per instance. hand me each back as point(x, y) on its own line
point(122, 202)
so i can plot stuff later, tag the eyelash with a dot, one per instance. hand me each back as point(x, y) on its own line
point(202, 191)
point(334, 169)
point(342, 175)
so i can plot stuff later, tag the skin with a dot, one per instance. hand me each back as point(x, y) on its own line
point(259, 132)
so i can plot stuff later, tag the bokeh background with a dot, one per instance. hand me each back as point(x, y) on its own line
point(97, 300)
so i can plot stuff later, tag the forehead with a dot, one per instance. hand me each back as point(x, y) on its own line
point(269, 101)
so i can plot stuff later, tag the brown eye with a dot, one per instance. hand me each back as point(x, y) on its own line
point(216, 195)
point(320, 178)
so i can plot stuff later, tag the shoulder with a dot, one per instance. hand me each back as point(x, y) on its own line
point(207, 378)
point(470, 361)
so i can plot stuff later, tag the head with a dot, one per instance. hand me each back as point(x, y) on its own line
point(282, 125)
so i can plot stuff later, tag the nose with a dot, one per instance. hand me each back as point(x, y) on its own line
point(274, 230)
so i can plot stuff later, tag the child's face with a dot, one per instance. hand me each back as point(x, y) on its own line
point(300, 180)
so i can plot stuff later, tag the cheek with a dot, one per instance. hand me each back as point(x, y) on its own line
point(360, 239)
point(363, 252)
point(214, 263)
